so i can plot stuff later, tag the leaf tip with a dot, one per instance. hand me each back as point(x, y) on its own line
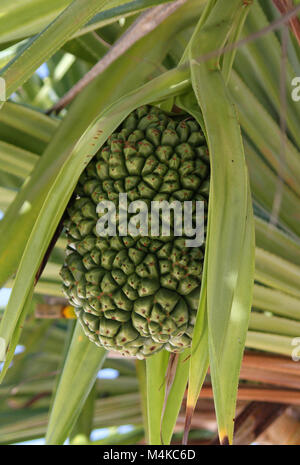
point(187, 425)
point(224, 439)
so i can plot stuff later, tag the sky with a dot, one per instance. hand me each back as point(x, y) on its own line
point(4, 296)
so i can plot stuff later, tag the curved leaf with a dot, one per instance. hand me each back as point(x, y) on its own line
point(156, 366)
point(230, 263)
point(51, 39)
point(80, 370)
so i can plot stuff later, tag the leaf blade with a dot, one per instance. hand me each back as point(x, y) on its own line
point(84, 360)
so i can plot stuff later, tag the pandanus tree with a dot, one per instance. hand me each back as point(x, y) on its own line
point(176, 101)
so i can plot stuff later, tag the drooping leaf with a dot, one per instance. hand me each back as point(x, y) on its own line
point(80, 370)
point(51, 39)
point(26, 128)
point(175, 397)
point(230, 228)
point(250, 113)
point(156, 372)
point(199, 357)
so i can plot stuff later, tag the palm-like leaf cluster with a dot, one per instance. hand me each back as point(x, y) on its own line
point(201, 57)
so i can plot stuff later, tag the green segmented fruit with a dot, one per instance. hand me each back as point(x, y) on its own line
point(138, 294)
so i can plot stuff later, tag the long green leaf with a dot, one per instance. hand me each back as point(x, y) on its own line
point(88, 47)
point(199, 359)
point(264, 57)
point(273, 324)
point(142, 380)
point(274, 343)
point(156, 374)
point(230, 229)
point(16, 336)
point(276, 272)
point(253, 117)
point(83, 427)
point(115, 13)
point(264, 185)
point(17, 161)
point(26, 128)
point(277, 302)
point(274, 240)
point(226, 385)
point(28, 17)
point(49, 41)
point(83, 362)
point(175, 397)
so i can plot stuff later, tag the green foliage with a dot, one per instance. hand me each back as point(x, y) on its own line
point(236, 98)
